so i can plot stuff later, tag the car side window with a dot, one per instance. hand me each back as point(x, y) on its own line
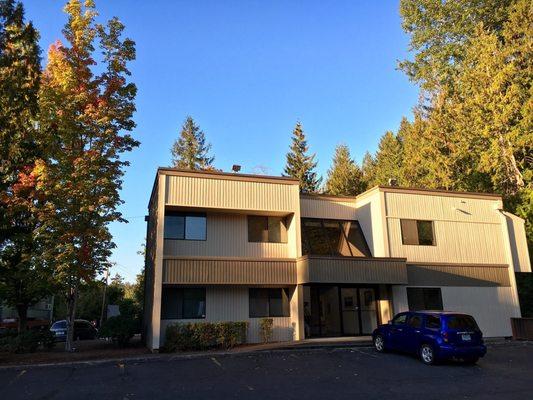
point(432, 322)
point(415, 321)
point(400, 319)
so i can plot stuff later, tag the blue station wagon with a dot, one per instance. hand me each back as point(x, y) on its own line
point(432, 335)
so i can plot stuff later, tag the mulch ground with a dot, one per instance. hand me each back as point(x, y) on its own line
point(86, 350)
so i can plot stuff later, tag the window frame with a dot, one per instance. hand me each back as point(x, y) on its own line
point(185, 215)
point(416, 221)
point(282, 224)
point(269, 297)
point(340, 223)
point(424, 289)
point(181, 304)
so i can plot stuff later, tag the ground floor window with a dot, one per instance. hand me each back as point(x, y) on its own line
point(269, 302)
point(182, 303)
point(424, 299)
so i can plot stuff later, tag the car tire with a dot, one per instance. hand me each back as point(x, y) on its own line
point(427, 354)
point(379, 344)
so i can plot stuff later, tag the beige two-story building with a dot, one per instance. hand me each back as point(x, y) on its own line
point(236, 247)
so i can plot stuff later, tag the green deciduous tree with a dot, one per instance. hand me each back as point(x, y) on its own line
point(344, 177)
point(300, 164)
point(23, 279)
point(190, 150)
point(85, 111)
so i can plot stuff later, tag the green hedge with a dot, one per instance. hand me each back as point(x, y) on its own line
point(26, 342)
point(205, 335)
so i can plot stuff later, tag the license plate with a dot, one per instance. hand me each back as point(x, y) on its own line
point(466, 337)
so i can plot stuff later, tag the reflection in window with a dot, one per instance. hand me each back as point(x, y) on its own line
point(269, 302)
point(182, 303)
point(185, 226)
point(424, 299)
point(333, 238)
point(417, 232)
point(267, 229)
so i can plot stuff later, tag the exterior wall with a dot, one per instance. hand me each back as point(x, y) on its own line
point(492, 307)
point(518, 243)
point(230, 303)
point(466, 230)
point(222, 192)
point(458, 275)
point(227, 236)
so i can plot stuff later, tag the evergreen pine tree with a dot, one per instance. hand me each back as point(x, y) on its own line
point(368, 170)
point(190, 150)
point(344, 176)
point(388, 160)
point(300, 165)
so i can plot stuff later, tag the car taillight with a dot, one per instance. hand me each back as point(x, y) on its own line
point(445, 336)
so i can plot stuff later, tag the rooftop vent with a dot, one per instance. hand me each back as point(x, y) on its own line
point(393, 182)
point(236, 168)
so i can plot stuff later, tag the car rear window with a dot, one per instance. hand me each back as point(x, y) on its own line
point(60, 325)
point(461, 322)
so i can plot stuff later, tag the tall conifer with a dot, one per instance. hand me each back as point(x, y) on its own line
point(344, 176)
point(300, 165)
point(190, 150)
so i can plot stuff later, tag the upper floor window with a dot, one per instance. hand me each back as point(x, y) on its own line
point(416, 232)
point(185, 226)
point(267, 229)
point(333, 238)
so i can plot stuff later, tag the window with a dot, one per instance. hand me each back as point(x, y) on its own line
point(424, 299)
point(267, 229)
point(433, 322)
point(269, 303)
point(185, 226)
point(400, 319)
point(182, 303)
point(462, 322)
point(333, 238)
point(415, 321)
point(415, 232)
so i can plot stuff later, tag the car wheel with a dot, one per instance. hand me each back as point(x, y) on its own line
point(379, 343)
point(427, 355)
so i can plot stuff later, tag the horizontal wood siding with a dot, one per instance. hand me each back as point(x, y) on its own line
point(455, 242)
point(200, 192)
point(200, 271)
point(231, 303)
point(351, 270)
point(518, 242)
point(227, 236)
point(458, 275)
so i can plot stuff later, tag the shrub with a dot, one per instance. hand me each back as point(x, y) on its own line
point(266, 329)
point(120, 329)
point(26, 342)
point(204, 335)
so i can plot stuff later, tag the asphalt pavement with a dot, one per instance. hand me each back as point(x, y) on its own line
point(330, 373)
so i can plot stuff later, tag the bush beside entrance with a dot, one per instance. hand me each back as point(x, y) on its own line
point(205, 335)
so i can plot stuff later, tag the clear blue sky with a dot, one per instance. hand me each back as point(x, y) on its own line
point(247, 71)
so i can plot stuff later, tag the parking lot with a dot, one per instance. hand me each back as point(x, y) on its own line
point(345, 373)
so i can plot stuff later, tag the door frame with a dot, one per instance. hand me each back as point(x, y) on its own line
point(351, 286)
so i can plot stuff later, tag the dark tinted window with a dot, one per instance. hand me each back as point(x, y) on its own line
point(400, 319)
point(415, 321)
point(182, 303)
point(269, 303)
point(60, 325)
point(433, 322)
point(416, 232)
point(333, 238)
point(267, 229)
point(460, 322)
point(188, 226)
point(424, 299)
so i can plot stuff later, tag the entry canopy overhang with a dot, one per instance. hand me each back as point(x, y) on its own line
point(356, 270)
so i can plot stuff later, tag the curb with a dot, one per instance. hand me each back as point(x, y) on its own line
point(188, 356)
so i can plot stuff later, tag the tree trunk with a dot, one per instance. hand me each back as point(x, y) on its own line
point(22, 310)
point(71, 317)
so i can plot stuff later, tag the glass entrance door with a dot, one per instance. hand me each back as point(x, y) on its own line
point(367, 310)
